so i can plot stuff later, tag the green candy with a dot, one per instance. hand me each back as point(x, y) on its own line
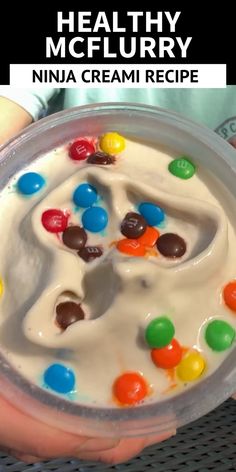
point(160, 332)
point(219, 335)
point(182, 168)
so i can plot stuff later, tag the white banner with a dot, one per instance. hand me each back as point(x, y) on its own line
point(118, 75)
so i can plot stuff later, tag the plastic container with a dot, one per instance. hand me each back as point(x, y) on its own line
point(185, 137)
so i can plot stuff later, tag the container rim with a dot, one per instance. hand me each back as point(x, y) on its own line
point(185, 401)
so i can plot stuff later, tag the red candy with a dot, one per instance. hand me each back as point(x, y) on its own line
point(169, 356)
point(130, 388)
point(81, 149)
point(230, 295)
point(54, 221)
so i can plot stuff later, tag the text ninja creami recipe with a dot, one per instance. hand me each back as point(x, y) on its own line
point(100, 76)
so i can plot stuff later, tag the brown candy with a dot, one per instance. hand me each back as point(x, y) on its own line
point(133, 225)
point(68, 313)
point(90, 253)
point(101, 158)
point(74, 237)
point(171, 245)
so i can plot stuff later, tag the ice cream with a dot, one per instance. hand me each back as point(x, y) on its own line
point(117, 269)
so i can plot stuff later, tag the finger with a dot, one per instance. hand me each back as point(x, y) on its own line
point(96, 445)
point(20, 456)
point(89, 445)
point(126, 449)
point(39, 440)
point(23, 433)
point(26, 457)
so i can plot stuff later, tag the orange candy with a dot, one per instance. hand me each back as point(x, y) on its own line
point(169, 356)
point(149, 238)
point(130, 388)
point(131, 247)
point(230, 295)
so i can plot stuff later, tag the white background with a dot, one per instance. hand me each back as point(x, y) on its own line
point(209, 75)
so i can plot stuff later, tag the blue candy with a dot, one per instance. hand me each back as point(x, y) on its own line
point(30, 183)
point(153, 214)
point(85, 195)
point(95, 219)
point(59, 378)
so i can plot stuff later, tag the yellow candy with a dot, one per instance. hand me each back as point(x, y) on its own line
point(1, 287)
point(191, 367)
point(112, 143)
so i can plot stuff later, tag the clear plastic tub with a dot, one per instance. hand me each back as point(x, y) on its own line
point(185, 137)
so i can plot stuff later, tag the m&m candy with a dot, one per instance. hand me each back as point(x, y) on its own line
point(153, 214)
point(85, 195)
point(159, 332)
point(95, 219)
point(1, 286)
point(74, 237)
point(169, 356)
point(191, 367)
point(54, 221)
point(101, 159)
point(149, 237)
point(131, 247)
point(30, 183)
point(133, 225)
point(171, 245)
point(219, 335)
point(59, 378)
point(81, 149)
point(229, 295)
point(68, 313)
point(130, 388)
point(182, 168)
point(89, 253)
point(112, 143)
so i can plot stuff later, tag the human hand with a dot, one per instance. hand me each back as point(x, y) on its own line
point(13, 118)
point(32, 441)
